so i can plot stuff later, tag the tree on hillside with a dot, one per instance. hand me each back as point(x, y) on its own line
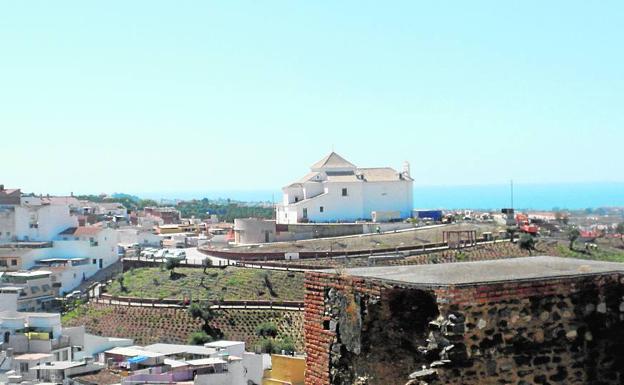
point(171, 264)
point(527, 242)
point(573, 234)
point(269, 284)
point(120, 280)
point(200, 338)
point(276, 345)
point(206, 314)
point(266, 329)
point(225, 209)
point(619, 229)
point(206, 263)
point(512, 230)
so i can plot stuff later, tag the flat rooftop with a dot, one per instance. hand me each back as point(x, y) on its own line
point(170, 349)
point(33, 356)
point(206, 361)
point(223, 344)
point(29, 274)
point(495, 271)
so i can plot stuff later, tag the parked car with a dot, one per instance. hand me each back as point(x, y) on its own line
point(161, 254)
point(148, 253)
point(177, 254)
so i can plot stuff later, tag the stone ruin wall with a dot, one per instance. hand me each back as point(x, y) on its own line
point(560, 331)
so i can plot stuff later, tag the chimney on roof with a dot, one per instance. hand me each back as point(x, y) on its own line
point(1, 187)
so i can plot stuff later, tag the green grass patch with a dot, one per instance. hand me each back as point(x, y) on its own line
point(598, 254)
point(231, 283)
point(83, 311)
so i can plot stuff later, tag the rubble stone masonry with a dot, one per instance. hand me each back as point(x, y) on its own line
point(560, 330)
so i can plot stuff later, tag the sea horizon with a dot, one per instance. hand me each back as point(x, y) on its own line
point(527, 196)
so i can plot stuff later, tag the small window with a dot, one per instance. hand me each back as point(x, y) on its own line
point(13, 262)
point(321, 209)
point(95, 261)
point(344, 192)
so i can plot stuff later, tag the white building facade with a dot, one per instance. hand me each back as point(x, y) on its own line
point(34, 220)
point(335, 190)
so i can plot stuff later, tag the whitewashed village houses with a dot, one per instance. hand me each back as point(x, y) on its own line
point(336, 190)
point(42, 234)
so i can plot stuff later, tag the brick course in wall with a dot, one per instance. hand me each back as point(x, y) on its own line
point(560, 330)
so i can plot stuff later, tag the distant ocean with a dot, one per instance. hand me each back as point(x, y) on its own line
point(526, 196)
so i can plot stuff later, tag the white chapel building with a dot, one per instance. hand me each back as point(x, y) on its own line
point(336, 190)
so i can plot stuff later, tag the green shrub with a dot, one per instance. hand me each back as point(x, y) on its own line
point(276, 346)
point(266, 329)
point(526, 242)
point(199, 338)
point(267, 345)
point(286, 344)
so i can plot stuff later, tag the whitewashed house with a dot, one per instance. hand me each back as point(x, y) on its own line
point(95, 242)
point(336, 190)
point(34, 219)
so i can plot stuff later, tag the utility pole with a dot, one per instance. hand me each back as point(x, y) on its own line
point(512, 193)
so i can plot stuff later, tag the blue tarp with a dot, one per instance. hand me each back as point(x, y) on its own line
point(137, 359)
point(436, 215)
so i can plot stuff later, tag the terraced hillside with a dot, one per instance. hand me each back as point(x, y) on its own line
point(231, 283)
point(168, 325)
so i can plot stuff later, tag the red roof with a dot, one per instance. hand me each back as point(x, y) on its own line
point(87, 230)
point(82, 230)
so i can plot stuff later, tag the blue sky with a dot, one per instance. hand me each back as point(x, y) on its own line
point(146, 96)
